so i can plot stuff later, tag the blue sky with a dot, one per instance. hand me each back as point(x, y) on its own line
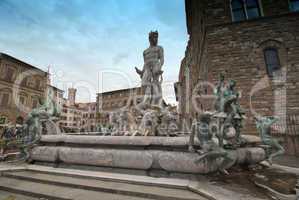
point(82, 39)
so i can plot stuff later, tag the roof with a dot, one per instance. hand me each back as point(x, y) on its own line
point(13, 59)
point(56, 88)
point(117, 91)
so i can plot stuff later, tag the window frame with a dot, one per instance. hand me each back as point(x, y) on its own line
point(2, 94)
point(9, 73)
point(259, 7)
point(233, 10)
point(291, 7)
point(272, 73)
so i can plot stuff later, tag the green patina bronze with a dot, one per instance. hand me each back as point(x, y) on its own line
point(209, 148)
point(32, 129)
point(263, 125)
point(228, 111)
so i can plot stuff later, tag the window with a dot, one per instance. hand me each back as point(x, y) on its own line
point(9, 74)
point(22, 100)
point(4, 99)
point(294, 5)
point(24, 82)
point(238, 10)
point(272, 60)
point(34, 103)
point(37, 84)
point(245, 9)
point(253, 9)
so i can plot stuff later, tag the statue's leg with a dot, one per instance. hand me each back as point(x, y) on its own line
point(157, 91)
point(280, 150)
point(221, 134)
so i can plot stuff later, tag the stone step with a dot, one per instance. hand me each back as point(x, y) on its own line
point(173, 183)
point(56, 192)
point(11, 196)
point(96, 185)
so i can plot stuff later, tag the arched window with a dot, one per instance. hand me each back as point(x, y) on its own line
point(294, 5)
point(245, 9)
point(238, 10)
point(272, 60)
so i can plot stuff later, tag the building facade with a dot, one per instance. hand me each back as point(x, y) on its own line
point(77, 117)
point(57, 96)
point(21, 87)
point(109, 102)
point(89, 122)
point(256, 43)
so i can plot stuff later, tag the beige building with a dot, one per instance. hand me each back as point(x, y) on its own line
point(77, 117)
point(88, 116)
point(108, 102)
point(57, 96)
point(21, 87)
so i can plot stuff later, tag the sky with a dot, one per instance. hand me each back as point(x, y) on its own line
point(94, 45)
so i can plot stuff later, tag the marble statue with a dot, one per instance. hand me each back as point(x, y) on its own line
point(151, 74)
point(263, 125)
point(149, 123)
point(115, 123)
point(169, 123)
point(123, 120)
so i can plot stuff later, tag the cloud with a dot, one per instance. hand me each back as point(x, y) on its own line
point(82, 37)
point(118, 58)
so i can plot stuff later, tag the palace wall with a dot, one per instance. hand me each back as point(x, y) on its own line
point(217, 44)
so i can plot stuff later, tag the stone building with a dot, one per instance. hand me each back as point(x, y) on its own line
point(108, 102)
point(21, 87)
point(77, 117)
point(57, 96)
point(89, 113)
point(256, 43)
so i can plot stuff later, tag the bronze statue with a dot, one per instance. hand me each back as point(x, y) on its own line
point(219, 94)
point(263, 125)
point(33, 129)
point(229, 112)
point(209, 149)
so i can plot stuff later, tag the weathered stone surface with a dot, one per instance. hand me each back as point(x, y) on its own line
point(171, 161)
point(149, 153)
point(250, 155)
point(184, 162)
point(44, 153)
point(106, 157)
point(128, 140)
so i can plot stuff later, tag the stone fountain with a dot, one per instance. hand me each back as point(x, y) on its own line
point(146, 139)
point(138, 139)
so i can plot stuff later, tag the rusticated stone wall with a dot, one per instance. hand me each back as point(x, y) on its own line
point(217, 45)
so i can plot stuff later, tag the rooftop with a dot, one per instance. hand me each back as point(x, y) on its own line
point(118, 91)
point(13, 59)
